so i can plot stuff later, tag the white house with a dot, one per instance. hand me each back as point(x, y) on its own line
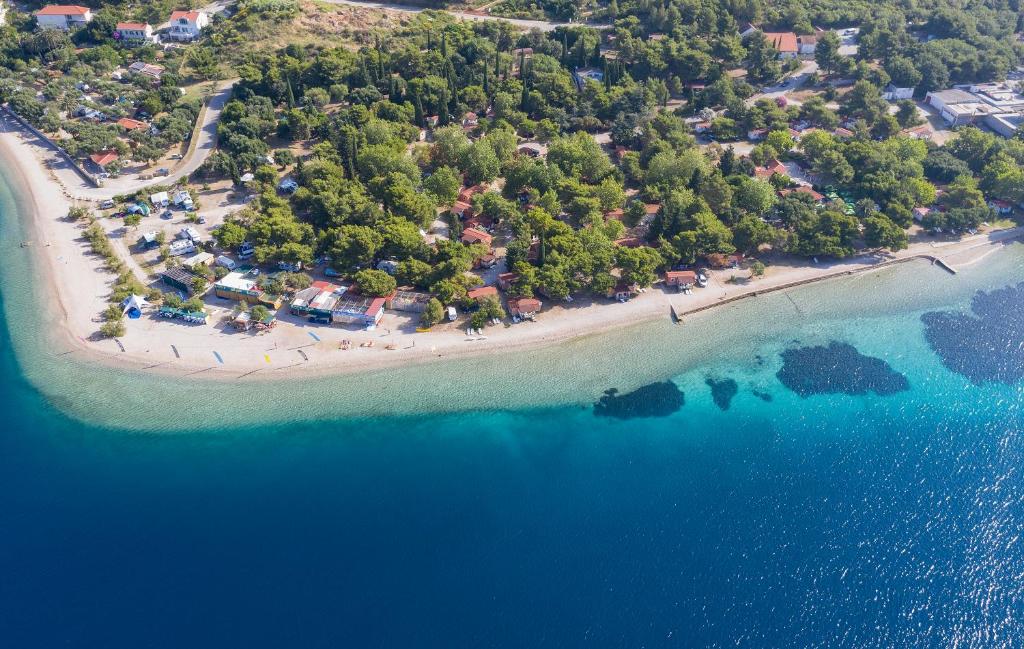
point(126, 32)
point(895, 93)
point(806, 45)
point(187, 25)
point(63, 16)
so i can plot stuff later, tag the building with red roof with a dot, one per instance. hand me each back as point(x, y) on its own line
point(803, 189)
point(680, 278)
point(130, 124)
point(103, 158)
point(482, 292)
point(784, 42)
point(187, 25)
point(472, 235)
point(524, 307)
point(63, 17)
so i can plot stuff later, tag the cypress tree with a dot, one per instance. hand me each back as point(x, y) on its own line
point(418, 107)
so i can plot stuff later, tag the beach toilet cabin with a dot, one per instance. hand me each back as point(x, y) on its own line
point(242, 321)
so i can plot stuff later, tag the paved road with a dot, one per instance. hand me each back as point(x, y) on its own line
point(542, 25)
point(789, 84)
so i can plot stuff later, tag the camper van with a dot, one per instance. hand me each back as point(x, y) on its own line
point(226, 262)
point(452, 314)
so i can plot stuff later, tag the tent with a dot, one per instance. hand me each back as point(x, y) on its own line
point(132, 306)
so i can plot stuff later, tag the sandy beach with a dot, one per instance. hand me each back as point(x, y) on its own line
point(74, 284)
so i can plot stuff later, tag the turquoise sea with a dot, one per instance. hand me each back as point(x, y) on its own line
point(839, 466)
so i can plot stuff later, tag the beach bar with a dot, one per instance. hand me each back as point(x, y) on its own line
point(236, 286)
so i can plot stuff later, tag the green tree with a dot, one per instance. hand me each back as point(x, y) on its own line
point(826, 52)
point(432, 314)
point(881, 232)
point(375, 282)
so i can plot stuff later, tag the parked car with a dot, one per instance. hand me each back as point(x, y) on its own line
point(107, 204)
point(289, 266)
point(330, 272)
point(225, 262)
point(163, 171)
point(176, 156)
point(452, 314)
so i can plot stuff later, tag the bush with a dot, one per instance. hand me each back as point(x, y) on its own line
point(112, 329)
point(432, 314)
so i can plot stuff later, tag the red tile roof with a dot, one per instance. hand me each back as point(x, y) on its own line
point(130, 124)
point(63, 10)
point(782, 41)
point(139, 26)
point(472, 235)
point(103, 158)
point(803, 189)
point(524, 305)
point(191, 16)
point(675, 277)
point(481, 292)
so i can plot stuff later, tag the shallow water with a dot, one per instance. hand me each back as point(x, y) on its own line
point(483, 503)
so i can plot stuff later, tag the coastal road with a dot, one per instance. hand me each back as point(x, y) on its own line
point(541, 25)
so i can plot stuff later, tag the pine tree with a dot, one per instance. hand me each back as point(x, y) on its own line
point(487, 85)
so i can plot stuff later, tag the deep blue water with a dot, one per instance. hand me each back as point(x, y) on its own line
point(841, 480)
point(827, 519)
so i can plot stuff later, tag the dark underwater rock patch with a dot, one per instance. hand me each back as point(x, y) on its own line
point(654, 400)
point(837, 368)
point(763, 396)
point(722, 391)
point(986, 345)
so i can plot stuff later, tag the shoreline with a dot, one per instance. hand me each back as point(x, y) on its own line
point(79, 287)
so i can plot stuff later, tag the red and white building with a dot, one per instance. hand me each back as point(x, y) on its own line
point(63, 17)
point(187, 25)
point(137, 32)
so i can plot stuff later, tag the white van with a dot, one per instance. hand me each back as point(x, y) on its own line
point(452, 314)
point(226, 262)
